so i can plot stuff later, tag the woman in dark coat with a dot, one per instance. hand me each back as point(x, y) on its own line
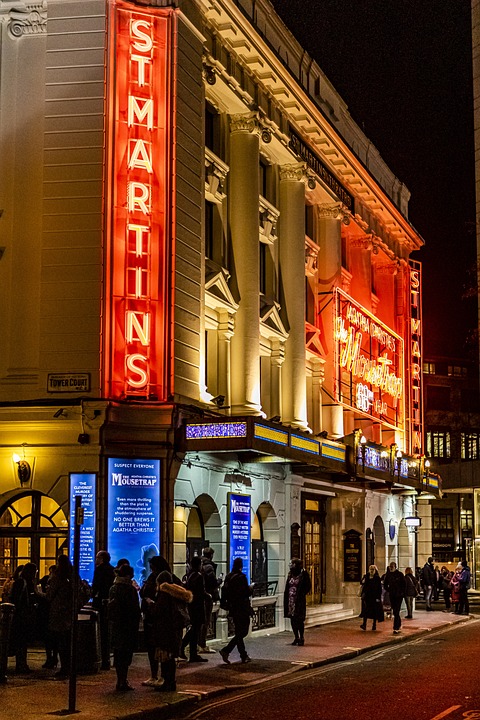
point(148, 593)
point(170, 615)
point(60, 598)
point(124, 617)
point(297, 587)
point(371, 598)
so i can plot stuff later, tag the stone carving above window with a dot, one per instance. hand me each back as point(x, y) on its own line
point(216, 172)
point(268, 219)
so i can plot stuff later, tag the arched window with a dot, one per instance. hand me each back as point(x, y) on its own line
point(33, 528)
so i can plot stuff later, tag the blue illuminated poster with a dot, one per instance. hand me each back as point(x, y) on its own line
point(239, 526)
point(133, 525)
point(84, 484)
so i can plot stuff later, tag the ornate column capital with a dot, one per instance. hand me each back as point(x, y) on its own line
point(334, 211)
point(28, 19)
point(387, 268)
point(293, 172)
point(245, 123)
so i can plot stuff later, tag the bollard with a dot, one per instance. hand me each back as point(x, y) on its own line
point(6, 617)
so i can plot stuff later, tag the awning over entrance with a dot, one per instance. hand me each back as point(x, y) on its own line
point(257, 440)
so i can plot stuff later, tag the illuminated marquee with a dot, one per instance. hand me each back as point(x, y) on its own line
point(137, 335)
point(368, 363)
point(415, 360)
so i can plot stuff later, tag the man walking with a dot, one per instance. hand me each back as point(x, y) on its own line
point(236, 594)
point(429, 578)
point(465, 578)
point(103, 578)
point(394, 583)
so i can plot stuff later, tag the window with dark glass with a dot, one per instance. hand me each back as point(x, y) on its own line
point(309, 222)
point(309, 303)
point(263, 268)
point(212, 130)
point(215, 246)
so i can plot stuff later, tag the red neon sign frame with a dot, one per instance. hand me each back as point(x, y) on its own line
point(369, 361)
point(139, 187)
point(415, 358)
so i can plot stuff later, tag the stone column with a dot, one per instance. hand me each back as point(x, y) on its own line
point(330, 217)
point(276, 362)
point(225, 334)
point(318, 376)
point(243, 203)
point(292, 271)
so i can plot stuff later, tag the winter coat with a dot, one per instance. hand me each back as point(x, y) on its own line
point(59, 596)
point(394, 584)
point(123, 615)
point(372, 607)
point(236, 594)
point(428, 575)
point(196, 584)
point(297, 588)
point(103, 578)
point(411, 585)
point(170, 616)
point(455, 587)
point(465, 578)
point(209, 572)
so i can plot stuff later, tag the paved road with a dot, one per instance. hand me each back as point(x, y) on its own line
point(430, 678)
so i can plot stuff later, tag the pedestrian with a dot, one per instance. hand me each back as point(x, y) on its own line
point(446, 587)
point(412, 588)
point(212, 595)
point(465, 578)
point(170, 616)
point(372, 607)
point(395, 585)
point(148, 593)
point(297, 587)
point(235, 598)
point(60, 598)
point(123, 618)
point(428, 582)
point(196, 584)
point(24, 623)
point(51, 650)
point(455, 587)
point(103, 578)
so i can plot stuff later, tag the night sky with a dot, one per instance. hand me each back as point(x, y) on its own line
point(404, 69)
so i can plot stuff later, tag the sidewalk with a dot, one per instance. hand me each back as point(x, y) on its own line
point(38, 696)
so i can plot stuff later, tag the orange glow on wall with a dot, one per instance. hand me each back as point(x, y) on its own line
point(137, 322)
point(368, 363)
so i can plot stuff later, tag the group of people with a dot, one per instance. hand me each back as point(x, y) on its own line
point(453, 586)
point(392, 589)
point(43, 610)
point(176, 614)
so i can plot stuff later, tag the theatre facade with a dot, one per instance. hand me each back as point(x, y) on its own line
point(211, 321)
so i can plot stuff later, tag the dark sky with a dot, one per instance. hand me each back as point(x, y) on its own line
point(404, 69)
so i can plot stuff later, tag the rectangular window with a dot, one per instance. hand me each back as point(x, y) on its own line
point(263, 268)
point(442, 519)
point(309, 222)
point(438, 443)
point(466, 520)
point(470, 445)
point(429, 368)
point(212, 130)
point(457, 371)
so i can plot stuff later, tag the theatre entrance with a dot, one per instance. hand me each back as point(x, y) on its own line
point(33, 528)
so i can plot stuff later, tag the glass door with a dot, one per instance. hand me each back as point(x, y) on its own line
point(313, 531)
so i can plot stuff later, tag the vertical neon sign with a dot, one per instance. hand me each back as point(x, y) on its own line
point(415, 368)
point(137, 332)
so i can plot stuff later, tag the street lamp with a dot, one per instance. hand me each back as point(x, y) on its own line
point(363, 446)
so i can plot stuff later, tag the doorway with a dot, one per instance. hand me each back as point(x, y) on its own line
point(313, 537)
point(33, 528)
